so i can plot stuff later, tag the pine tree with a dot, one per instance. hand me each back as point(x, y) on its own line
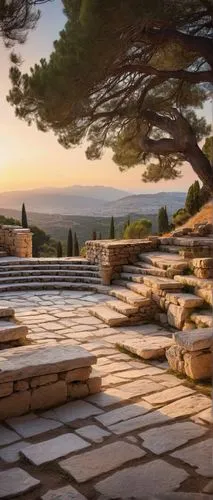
point(112, 229)
point(70, 244)
point(94, 235)
point(24, 222)
point(163, 220)
point(76, 246)
point(59, 250)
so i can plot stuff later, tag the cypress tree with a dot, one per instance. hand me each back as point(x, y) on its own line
point(70, 244)
point(193, 199)
point(76, 246)
point(166, 220)
point(112, 229)
point(197, 197)
point(94, 235)
point(24, 222)
point(161, 220)
point(59, 250)
point(189, 203)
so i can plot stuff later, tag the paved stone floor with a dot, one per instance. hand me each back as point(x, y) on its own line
point(147, 434)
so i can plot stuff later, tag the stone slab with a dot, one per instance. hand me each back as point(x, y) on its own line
point(186, 300)
point(11, 331)
point(147, 348)
point(15, 482)
point(50, 450)
point(154, 418)
point(124, 413)
point(7, 436)
point(31, 425)
point(65, 493)
point(93, 433)
point(198, 455)
point(74, 410)
point(187, 406)
point(48, 396)
point(168, 395)
point(153, 478)
point(30, 361)
point(96, 462)
point(204, 416)
point(195, 340)
point(169, 437)
point(11, 453)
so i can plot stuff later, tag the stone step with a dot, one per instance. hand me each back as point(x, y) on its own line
point(11, 266)
point(147, 269)
point(11, 331)
point(52, 277)
point(3, 253)
point(186, 300)
point(139, 288)
point(195, 340)
point(202, 318)
point(151, 347)
point(128, 296)
point(164, 260)
point(108, 315)
point(51, 285)
point(7, 312)
point(137, 278)
point(122, 307)
point(45, 260)
point(193, 281)
point(48, 272)
point(169, 249)
point(162, 283)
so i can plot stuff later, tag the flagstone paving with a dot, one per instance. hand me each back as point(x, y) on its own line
point(147, 435)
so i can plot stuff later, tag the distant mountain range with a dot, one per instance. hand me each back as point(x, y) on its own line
point(91, 200)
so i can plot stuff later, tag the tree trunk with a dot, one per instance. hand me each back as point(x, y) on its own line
point(201, 166)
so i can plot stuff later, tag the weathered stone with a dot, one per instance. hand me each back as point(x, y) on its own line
point(15, 482)
point(29, 361)
point(154, 418)
point(106, 398)
point(93, 432)
point(198, 455)
point(177, 315)
point(153, 478)
point(94, 384)
point(168, 395)
point(175, 359)
point(11, 331)
point(77, 390)
point(187, 406)
point(78, 375)
point(31, 425)
point(147, 348)
point(49, 395)
point(14, 405)
point(21, 385)
point(124, 413)
point(198, 365)
point(6, 389)
point(50, 450)
point(169, 437)
point(96, 462)
point(7, 436)
point(202, 318)
point(10, 453)
point(71, 411)
point(65, 493)
point(204, 416)
point(43, 380)
point(185, 300)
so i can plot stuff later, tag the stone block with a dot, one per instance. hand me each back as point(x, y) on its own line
point(15, 482)
point(174, 356)
point(6, 389)
point(21, 385)
point(195, 340)
point(14, 405)
point(198, 365)
point(177, 315)
point(94, 384)
point(49, 395)
point(78, 375)
point(77, 390)
point(43, 380)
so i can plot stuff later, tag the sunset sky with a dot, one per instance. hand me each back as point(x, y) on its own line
point(31, 159)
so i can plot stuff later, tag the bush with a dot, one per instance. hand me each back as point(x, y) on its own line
point(180, 217)
point(138, 229)
point(83, 252)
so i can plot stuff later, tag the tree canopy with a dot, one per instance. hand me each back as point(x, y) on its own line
point(128, 75)
point(17, 17)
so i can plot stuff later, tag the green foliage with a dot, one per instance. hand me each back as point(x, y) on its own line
point(180, 217)
point(83, 252)
point(59, 250)
point(43, 245)
point(163, 220)
point(70, 244)
point(76, 246)
point(138, 229)
point(208, 148)
point(9, 221)
point(112, 229)
point(193, 200)
point(126, 224)
point(142, 101)
point(24, 217)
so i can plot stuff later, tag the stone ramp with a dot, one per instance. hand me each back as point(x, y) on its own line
point(38, 377)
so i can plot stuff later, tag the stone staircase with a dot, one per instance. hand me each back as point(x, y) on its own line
point(156, 288)
point(2, 252)
point(48, 273)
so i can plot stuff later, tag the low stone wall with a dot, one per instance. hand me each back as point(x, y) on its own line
point(191, 354)
point(202, 268)
point(16, 241)
point(111, 255)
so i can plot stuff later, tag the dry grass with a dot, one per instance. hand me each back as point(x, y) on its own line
point(205, 215)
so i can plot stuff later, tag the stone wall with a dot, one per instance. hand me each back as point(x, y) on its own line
point(111, 255)
point(16, 241)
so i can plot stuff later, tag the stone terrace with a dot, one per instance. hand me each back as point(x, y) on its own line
point(146, 435)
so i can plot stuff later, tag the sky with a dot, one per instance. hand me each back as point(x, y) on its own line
point(33, 159)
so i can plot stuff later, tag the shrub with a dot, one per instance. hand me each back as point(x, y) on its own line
point(138, 229)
